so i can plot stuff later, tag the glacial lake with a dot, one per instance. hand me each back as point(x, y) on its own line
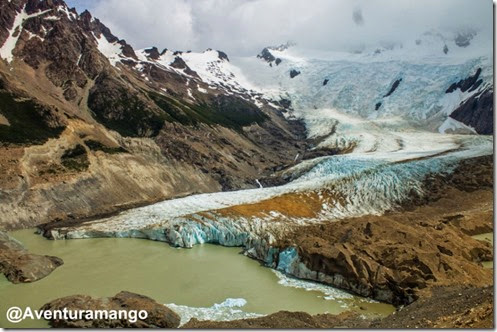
point(208, 281)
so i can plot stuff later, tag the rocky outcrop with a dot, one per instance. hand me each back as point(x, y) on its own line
point(470, 83)
point(394, 87)
point(294, 73)
point(463, 39)
point(477, 112)
point(153, 53)
point(266, 55)
point(223, 56)
point(386, 258)
point(158, 315)
point(470, 307)
point(20, 266)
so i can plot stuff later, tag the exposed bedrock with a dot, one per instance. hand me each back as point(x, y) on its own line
point(20, 266)
point(477, 112)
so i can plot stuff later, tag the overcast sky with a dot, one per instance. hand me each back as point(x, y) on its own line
point(244, 27)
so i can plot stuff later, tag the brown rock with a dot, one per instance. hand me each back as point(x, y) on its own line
point(20, 266)
point(282, 320)
point(159, 316)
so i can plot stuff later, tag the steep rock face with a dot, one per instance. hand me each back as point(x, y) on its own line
point(468, 84)
point(158, 315)
point(20, 266)
point(477, 112)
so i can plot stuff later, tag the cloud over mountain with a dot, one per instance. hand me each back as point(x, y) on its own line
point(244, 27)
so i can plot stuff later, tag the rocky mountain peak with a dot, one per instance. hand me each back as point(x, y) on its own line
point(268, 56)
point(223, 56)
point(153, 53)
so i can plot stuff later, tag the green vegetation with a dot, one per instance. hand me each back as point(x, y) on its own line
point(228, 111)
point(75, 159)
point(97, 146)
point(126, 114)
point(27, 122)
point(130, 114)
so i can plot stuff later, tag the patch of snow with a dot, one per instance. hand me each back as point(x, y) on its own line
point(217, 72)
point(111, 51)
point(190, 94)
point(453, 125)
point(52, 18)
point(70, 15)
point(32, 35)
point(79, 59)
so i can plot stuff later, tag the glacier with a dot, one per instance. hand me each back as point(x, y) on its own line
point(391, 149)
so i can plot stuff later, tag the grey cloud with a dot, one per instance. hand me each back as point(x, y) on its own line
point(357, 17)
point(242, 27)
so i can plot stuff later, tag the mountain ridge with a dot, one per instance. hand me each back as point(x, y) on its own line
point(131, 119)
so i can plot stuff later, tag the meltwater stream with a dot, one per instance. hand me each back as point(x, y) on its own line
point(207, 282)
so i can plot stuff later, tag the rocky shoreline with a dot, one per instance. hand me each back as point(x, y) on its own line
point(470, 307)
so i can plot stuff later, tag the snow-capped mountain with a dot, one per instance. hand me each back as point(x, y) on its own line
point(141, 125)
point(411, 82)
